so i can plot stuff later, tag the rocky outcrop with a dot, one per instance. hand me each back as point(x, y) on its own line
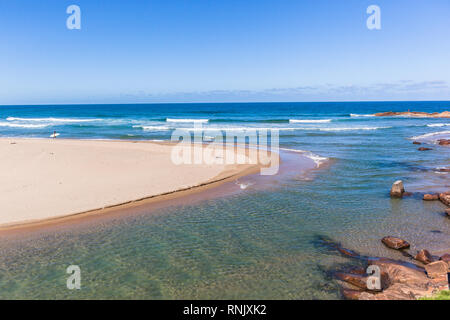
point(417, 114)
point(445, 198)
point(397, 189)
point(446, 258)
point(437, 270)
point(395, 243)
point(424, 256)
point(431, 197)
point(444, 142)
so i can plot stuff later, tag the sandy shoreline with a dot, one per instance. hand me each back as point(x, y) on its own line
point(50, 179)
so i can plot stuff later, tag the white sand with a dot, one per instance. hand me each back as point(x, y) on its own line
point(48, 178)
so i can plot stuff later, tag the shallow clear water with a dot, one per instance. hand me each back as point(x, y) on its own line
point(258, 243)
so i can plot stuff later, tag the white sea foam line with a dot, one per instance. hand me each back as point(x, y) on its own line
point(361, 115)
point(438, 125)
point(51, 119)
point(309, 121)
point(154, 128)
point(17, 125)
point(429, 135)
point(187, 120)
point(318, 160)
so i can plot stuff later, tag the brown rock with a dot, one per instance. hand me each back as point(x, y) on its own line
point(424, 256)
point(397, 189)
point(444, 169)
point(445, 198)
point(424, 149)
point(444, 142)
point(447, 212)
point(357, 280)
point(351, 294)
point(430, 197)
point(437, 269)
point(445, 257)
point(417, 142)
point(395, 243)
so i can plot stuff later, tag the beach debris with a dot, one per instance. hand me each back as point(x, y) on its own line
point(431, 197)
point(424, 149)
point(424, 256)
point(444, 142)
point(445, 198)
point(437, 269)
point(397, 189)
point(417, 142)
point(395, 243)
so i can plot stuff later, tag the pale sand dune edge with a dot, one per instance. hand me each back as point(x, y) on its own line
point(46, 179)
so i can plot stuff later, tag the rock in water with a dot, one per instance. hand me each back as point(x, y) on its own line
point(446, 258)
point(437, 269)
point(424, 256)
point(424, 149)
point(447, 212)
point(417, 142)
point(445, 198)
point(444, 142)
point(397, 189)
point(430, 197)
point(395, 243)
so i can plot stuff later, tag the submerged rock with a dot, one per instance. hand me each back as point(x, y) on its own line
point(424, 256)
point(430, 197)
point(395, 243)
point(424, 149)
point(397, 189)
point(417, 142)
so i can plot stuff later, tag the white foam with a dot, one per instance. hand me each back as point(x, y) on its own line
point(18, 125)
point(350, 128)
point(429, 135)
point(188, 120)
point(309, 121)
point(318, 160)
point(438, 125)
point(153, 128)
point(51, 119)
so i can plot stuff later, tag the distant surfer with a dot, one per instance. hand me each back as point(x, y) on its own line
point(54, 135)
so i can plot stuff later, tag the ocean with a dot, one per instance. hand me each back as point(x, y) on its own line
point(261, 242)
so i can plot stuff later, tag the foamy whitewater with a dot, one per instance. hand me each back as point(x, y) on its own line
point(259, 237)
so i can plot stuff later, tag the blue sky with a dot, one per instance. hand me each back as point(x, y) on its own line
point(223, 50)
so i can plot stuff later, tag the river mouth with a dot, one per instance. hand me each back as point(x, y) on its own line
point(257, 242)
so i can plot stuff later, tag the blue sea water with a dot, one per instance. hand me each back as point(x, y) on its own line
point(260, 243)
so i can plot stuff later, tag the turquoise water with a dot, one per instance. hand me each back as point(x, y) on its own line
point(257, 243)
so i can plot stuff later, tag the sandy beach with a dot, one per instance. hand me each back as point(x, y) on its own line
point(51, 178)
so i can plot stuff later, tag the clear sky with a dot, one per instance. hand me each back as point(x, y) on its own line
point(223, 50)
